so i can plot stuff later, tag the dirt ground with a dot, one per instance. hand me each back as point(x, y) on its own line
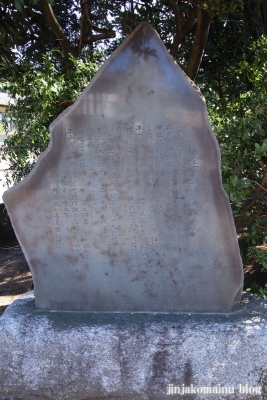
point(15, 276)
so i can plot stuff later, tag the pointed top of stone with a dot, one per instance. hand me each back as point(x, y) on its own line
point(125, 210)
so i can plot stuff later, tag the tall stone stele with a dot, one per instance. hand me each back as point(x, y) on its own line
point(125, 210)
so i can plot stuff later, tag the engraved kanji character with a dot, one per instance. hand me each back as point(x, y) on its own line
point(101, 171)
point(134, 246)
point(80, 139)
point(194, 165)
point(103, 206)
point(192, 151)
point(129, 130)
point(104, 235)
point(133, 225)
point(69, 133)
point(99, 138)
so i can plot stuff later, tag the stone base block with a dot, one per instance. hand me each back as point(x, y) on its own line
point(82, 356)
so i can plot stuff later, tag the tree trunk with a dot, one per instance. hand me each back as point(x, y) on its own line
point(56, 28)
point(263, 16)
point(203, 24)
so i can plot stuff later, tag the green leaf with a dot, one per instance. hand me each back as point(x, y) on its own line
point(18, 4)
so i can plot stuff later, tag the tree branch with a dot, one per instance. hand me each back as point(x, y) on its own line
point(178, 23)
point(190, 22)
point(56, 28)
point(94, 38)
point(203, 24)
point(86, 28)
point(83, 26)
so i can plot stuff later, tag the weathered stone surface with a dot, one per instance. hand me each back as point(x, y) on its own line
point(79, 356)
point(125, 210)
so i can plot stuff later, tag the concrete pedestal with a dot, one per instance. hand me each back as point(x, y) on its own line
point(80, 356)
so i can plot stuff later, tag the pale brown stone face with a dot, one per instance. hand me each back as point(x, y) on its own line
point(125, 211)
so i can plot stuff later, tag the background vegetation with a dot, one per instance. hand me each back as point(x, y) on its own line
point(49, 50)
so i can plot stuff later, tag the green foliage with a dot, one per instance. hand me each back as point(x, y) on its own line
point(19, 4)
point(237, 189)
point(41, 93)
point(24, 31)
point(239, 121)
point(261, 257)
point(228, 47)
point(260, 291)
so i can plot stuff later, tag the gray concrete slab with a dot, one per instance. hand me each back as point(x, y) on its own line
point(80, 355)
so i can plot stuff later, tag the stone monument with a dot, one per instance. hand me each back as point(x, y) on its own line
point(125, 210)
